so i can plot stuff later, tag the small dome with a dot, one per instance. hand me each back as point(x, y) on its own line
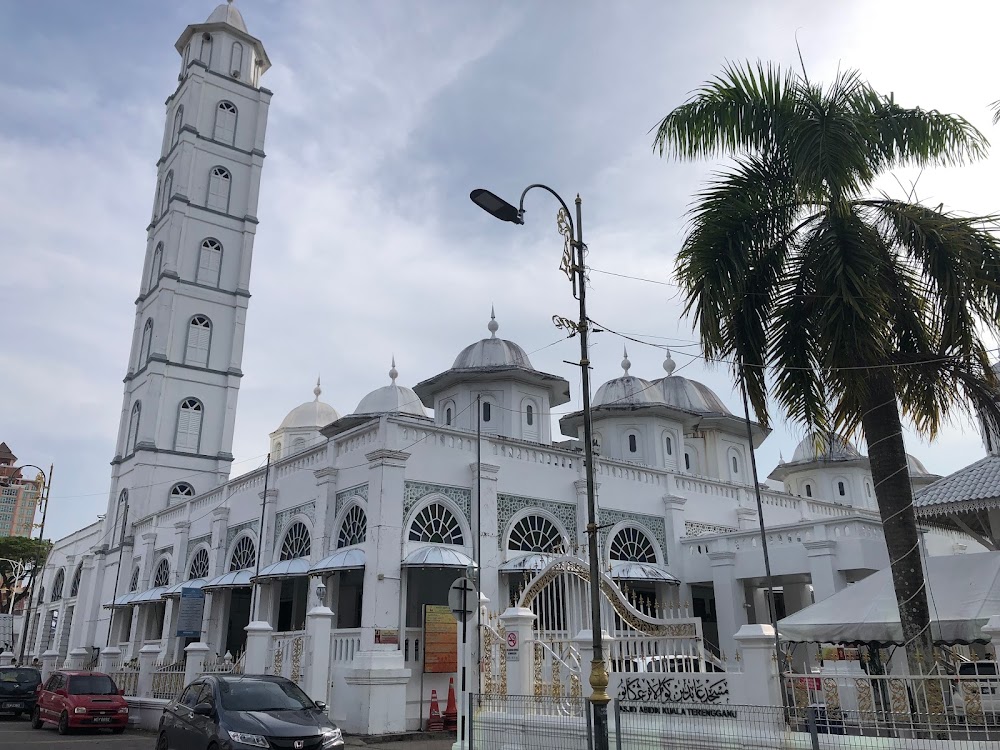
point(836, 448)
point(391, 399)
point(626, 390)
point(310, 415)
point(492, 352)
point(689, 395)
point(228, 14)
point(915, 467)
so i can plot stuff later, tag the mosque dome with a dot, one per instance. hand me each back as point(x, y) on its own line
point(916, 468)
point(311, 415)
point(391, 399)
point(228, 14)
point(492, 352)
point(626, 391)
point(835, 448)
point(689, 395)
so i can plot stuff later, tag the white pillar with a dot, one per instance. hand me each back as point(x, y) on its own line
point(49, 659)
point(148, 656)
point(258, 640)
point(194, 660)
point(319, 628)
point(760, 673)
point(75, 660)
point(109, 659)
point(585, 645)
point(826, 579)
point(729, 599)
point(520, 669)
point(5, 658)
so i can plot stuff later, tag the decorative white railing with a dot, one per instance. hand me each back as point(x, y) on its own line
point(168, 680)
point(835, 529)
point(289, 654)
point(344, 643)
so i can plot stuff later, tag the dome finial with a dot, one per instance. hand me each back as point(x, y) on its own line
point(317, 390)
point(625, 362)
point(669, 365)
point(493, 325)
point(393, 374)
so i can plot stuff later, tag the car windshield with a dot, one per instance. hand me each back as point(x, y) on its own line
point(262, 695)
point(20, 676)
point(91, 684)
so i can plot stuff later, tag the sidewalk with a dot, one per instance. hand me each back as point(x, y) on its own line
point(411, 742)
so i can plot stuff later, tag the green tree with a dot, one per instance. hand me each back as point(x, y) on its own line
point(30, 552)
point(845, 306)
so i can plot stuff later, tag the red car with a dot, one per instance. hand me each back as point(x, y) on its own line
point(74, 700)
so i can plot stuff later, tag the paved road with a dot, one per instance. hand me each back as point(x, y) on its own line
point(18, 733)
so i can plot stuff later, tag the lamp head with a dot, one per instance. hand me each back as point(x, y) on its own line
point(496, 206)
point(321, 592)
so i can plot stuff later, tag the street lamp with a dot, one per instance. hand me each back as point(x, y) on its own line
point(573, 265)
point(44, 501)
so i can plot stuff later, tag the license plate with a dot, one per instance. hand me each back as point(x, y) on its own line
point(102, 719)
point(12, 705)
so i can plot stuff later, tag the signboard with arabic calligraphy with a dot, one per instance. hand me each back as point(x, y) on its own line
point(440, 640)
point(694, 695)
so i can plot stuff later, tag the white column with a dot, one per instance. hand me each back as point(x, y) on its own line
point(521, 669)
point(148, 656)
point(76, 658)
point(760, 675)
point(258, 640)
point(49, 659)
point(484, 513)
point(109, 658)
point(319, 628)
point(84, 604)
point(729, 599)
point(194, 660)
point(585, 645)
point(826, 579)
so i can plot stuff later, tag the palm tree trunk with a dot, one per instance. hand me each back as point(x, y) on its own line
point(887, 454)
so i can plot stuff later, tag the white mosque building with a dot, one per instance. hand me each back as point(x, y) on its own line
point(385, 504)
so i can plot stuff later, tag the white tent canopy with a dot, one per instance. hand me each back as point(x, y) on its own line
point(964, 594)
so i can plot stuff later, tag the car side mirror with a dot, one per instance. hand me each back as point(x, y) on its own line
point(204, 709)
point(320, 705)
point(121, 691)
point(38, 688)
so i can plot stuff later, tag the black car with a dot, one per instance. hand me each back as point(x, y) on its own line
point(242, 711)
point(17, 690)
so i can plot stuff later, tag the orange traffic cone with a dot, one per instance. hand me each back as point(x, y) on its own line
point(434, 723)
point(451, 710)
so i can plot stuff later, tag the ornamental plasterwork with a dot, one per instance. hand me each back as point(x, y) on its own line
point(233, 531)
point(281, 519)
point(696, 528)
point(344, 495)
point(655, 525)
point(164, 550)
point(414, 492)
point(509, 505)
point(192, 543)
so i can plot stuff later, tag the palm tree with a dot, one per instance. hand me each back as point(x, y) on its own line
point(847, 307)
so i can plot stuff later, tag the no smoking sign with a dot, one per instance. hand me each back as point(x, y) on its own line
point(511, 640)
point(513, 652)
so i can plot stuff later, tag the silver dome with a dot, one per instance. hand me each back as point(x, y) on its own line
point(228, 14)
point(391, 399)
point(835, 448)
point(492, 352)
point(310, 415)
point(690, 395)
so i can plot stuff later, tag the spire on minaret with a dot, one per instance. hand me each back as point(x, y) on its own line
point(393, 374)
point(669, 365)
point(493, 325)
point(626, 364)
point(317, 390)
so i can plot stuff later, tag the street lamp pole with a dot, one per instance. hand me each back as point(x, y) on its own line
point(574, 266)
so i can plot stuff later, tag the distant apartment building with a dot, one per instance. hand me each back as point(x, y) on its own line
point(18, 496)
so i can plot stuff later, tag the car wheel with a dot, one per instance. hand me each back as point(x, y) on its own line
point(36, 719)
point(64, 723)
point(161, 741)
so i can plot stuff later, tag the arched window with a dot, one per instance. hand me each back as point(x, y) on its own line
point(277, 450)
point(244, 555)
point(199, 338)
point(632, 445)
point(298, 444)
point(841, 490)
point(535, 534)
point(121, 511)
point(178, 124)
point(225, 122)
point(162, 575)
point(632, 545)
point(297, 542)
point(199, 565)
point(447, 416)
point(133, 428)
point(218, 189)
point(354, 529)
point(168, 188)
point(156, 265)
point(147, 342)
point(236, 59)
point(209, 262)
point(598, 442)
point(436, 524)
point(187, 58)
point(687, 461)
point(181, 491)
point(487, 411)
point(74, 586)
point(868, 489)
point(57, 586)
point(736, 465)
point(188, 426)
point(156, 200)
point(134, 583)
point(206, 49)
point(809, 490)
point(529, 414)
point(669, 444)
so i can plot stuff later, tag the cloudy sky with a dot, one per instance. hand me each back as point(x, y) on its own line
point(385, 114)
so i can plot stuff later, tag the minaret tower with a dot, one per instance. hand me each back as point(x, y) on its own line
point(178, 414)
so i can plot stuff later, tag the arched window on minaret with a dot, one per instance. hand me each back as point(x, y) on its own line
point(120, 517)
point(156, 200)
point(147, 343)
point(236, 60)
point(198, 341)
point(133, 428)
point(206, 49)
point(168, 188)
point(218, 189)
point(188, 426)
point(156, 265)
point(178, 124)
point(187, 59)
point(209, 262)
point(225, 122)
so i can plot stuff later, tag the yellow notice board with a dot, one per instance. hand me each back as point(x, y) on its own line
point(440, 639)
